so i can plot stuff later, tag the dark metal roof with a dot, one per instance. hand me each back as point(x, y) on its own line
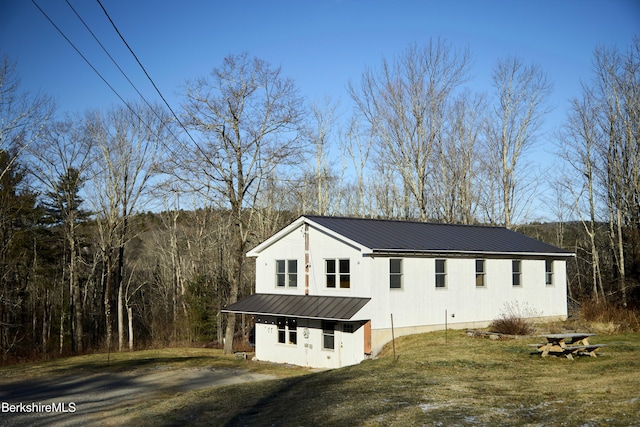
point(413, 236)
point(307, 306)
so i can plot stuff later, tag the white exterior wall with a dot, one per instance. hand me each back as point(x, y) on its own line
point(418, 307)
point(349, 347)
point(322, 247)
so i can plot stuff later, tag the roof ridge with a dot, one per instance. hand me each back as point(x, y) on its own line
point(403, 221)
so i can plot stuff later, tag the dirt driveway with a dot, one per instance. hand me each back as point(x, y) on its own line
point(81, 399)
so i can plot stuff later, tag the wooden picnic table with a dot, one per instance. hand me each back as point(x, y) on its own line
point(568, 345)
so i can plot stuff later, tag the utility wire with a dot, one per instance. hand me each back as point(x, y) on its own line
point(118, 66)
point(150, 79)
point(135, 113)
point(81, 55)
point(107, 52)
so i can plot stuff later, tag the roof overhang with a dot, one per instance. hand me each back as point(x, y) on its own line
point(301, 306)
point(454, 253)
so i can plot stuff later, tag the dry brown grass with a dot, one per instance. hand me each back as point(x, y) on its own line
point(609, 317)
point(437, 379)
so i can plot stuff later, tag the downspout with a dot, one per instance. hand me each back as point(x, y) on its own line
point(307, 261)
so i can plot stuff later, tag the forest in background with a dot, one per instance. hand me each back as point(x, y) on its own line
point(128, 228)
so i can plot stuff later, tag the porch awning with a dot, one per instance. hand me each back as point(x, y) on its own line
point(303, 306)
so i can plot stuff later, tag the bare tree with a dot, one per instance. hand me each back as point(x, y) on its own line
point(579, 141)
point(404, 104)
point(522, 93)
point(324, 122)
point(617, 89)
point(358, 147)
point(61, 161)
point(22, 115)
point(457, 164)
point(127, 141)
point(247, 118)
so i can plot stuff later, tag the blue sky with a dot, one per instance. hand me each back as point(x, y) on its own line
point(322, 45)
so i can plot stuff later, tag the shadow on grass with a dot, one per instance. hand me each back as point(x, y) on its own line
point(318, 398)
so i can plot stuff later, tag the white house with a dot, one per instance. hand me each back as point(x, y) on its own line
point(329, 289)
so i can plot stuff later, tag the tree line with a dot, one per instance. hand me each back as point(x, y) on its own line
point(128, 227)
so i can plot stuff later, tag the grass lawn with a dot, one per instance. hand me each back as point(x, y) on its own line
point(457, 380)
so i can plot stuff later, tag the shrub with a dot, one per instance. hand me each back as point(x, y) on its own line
point(514, 320)
point(610, 316)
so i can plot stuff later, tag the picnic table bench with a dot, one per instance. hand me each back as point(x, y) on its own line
point(567, 345)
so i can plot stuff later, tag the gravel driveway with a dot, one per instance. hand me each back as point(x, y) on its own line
point(87, 399)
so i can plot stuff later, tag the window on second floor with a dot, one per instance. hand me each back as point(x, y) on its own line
point(287, 273)
point(338, 273)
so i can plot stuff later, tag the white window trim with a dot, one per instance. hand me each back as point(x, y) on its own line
point(401, 274)
point(483, 273)
point(287, 332)
point(286, 274)
point(333, 334)
point(513, 272)
point(549, 273)
point(436, 274)
point(338, 273)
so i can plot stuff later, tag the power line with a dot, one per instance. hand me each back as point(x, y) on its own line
point(107, 52)
point(150, 79)
point(135, 113)
point(80, 53)
point(118, 67)
point(110, 86)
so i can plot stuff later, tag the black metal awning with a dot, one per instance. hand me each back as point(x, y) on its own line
point(303, 306)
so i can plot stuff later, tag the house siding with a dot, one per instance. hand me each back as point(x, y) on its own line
point(417, 307)
point(348, 346)
point(420, 307)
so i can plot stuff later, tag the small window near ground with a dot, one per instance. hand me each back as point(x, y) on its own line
point(287, 330)
point(282, 330)
point(480, 273)
point(441, 273)
point(292, 327)
point(328, 335)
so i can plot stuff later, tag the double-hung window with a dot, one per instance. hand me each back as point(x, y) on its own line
point(287, 273)
point(338, 273)
point(395, 273)
point(516, 272)
point(480, 273)
point(441, 273)
point(328, 335)
point(548, 268)
point(287, 330)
